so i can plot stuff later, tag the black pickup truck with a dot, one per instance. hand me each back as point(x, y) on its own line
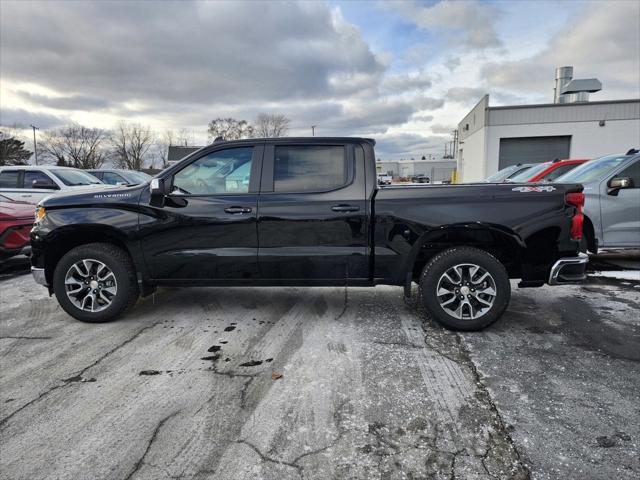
point(305, 211)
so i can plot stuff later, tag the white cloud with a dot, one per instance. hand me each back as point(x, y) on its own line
point(603, 42)
point(180, 64)
point(468, 22)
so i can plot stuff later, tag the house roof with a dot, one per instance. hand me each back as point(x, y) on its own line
point(177, 152)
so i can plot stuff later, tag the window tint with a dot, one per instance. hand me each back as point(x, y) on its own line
point(9, 179)
point(309, 168)
point(112, 178)
point(223, 172)
point(633, 172)
point(31, 176)
point(551, 176)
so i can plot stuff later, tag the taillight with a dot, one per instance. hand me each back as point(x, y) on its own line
point(577, 200)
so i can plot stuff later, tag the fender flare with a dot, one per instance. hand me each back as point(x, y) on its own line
point(424, 238)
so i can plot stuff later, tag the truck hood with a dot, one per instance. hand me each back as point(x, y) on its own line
point(94, 196)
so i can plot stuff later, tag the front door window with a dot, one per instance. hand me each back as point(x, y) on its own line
point(219, 173)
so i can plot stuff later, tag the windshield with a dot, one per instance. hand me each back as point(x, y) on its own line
point(138, 176)
point(593, 170)
point(500, 174)
point(74, 178)
point(529, 173)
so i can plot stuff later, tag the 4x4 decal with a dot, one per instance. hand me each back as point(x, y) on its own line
point(546, 188)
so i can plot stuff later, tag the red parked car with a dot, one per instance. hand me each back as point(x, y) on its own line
point(16, 220)
point(547, 171)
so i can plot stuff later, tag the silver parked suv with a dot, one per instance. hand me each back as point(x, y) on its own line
point(612, 200)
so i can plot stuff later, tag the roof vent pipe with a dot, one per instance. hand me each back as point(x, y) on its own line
point(563, 76)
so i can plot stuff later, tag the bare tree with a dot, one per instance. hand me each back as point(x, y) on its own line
point(131, 142)
point(76, 146)
point(184, 138)
point(269, 125)
point(229, 129)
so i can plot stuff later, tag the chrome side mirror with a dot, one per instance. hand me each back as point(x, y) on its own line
point(618, 183)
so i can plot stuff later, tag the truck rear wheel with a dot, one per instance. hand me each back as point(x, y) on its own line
point(95, 282)
point(465, 288)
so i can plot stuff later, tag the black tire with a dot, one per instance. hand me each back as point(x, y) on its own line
point(118, 262)
point(446, 260)
point(587, 242)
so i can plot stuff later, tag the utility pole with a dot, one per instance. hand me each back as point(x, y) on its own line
point(313, 130)
point(35, 146)
point(455, 144)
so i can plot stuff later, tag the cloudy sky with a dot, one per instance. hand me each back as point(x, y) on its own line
point(403, 72)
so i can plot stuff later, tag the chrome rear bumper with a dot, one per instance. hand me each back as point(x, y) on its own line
point(569, 270)
point(38, 276)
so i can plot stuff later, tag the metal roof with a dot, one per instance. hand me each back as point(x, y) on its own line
point(564, 105)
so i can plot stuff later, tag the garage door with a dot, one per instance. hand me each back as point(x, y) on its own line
point(533, 149)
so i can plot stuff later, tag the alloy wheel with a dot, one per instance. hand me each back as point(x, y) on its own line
point(466, 291)
point(90, 285)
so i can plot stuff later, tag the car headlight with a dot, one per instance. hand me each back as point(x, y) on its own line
point(40, 214)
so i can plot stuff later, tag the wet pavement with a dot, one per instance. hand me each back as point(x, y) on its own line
point(317, 383)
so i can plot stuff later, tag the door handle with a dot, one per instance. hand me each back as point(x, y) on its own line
point(345, 208)
point(235, 210)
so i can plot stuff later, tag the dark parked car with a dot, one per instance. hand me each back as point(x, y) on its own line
point(306, 211)
point(420, 179)
point(16, 220)
point(114, 176)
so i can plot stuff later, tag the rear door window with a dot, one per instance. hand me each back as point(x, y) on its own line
point(31, 176)
point(309, 168)
point(9, 179)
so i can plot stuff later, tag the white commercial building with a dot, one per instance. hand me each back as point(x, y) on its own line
point(491, 138)
point(437, 171)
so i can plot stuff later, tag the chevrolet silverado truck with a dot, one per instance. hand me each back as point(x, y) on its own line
point(306, 212)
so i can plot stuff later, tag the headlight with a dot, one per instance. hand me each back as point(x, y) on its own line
point(40, 213)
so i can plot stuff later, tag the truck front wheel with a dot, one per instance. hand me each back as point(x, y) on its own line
point(465, 288)
point(95, 282)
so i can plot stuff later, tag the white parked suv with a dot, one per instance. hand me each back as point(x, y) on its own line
point(29, 183)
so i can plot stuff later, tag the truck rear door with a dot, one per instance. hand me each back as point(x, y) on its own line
point(312, 214)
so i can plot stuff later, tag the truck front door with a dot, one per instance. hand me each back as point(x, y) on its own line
point(312, 214)
point(621, 212)
point(206, 229)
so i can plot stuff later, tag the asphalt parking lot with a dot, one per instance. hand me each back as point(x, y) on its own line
point(317, 383)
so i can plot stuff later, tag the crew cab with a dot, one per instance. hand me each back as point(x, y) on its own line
point(306, 211)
